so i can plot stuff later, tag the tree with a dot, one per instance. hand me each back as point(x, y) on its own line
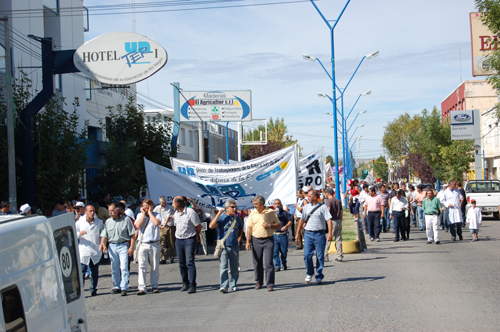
point(402, 172)
point(381, 168)
point(398, 134)
point(131, 139)
point(424, 172)
point(329, 159)
point(276, 139)
point(457, 159)
point(60, 149)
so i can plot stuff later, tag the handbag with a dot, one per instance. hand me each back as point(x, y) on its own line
point(221, 243)
point(136, 250)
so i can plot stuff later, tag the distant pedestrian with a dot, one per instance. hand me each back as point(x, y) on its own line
point(88, 230)
point(148, 238)
point(25, 209)
point(118, 231)
point(432, 208)
point(187, 227)
point(281, 236)
point(262, 223)
point(444, 211)
point(335, 208)
point(167, 230)
point(374, 208)
point(474, 219)
point(384, 221)
point(419, 199)
point(301, 202)
point(59, 208)
point(102, 211)
point(463, 204)
point(411, 199)
point(230, 228)
point(398, 206)
point(362, 198)
point(318, 231)
point(452, 200)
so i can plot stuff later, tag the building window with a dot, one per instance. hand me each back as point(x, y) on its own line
point(13, 310)
point(58, 82)
point(191, 139)
point(88, 89)
point(182, 139)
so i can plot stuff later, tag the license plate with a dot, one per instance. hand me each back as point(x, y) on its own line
point(76, 329)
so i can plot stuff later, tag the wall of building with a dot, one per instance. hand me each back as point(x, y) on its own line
point(470, 95)
point(491, 143)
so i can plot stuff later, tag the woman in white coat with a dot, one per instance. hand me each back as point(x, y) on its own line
point(452, 200)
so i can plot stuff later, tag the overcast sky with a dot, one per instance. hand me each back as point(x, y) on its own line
point(259, 48)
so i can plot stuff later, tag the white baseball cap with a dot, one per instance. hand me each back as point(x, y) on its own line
point(79, 204)
point(24, 208)
point(305, 189)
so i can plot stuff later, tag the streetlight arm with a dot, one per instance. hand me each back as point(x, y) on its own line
point(326, 71)
point(353, 106)
point(355, 72)
point(353, 122)
point(353, 135)
point(323, 17)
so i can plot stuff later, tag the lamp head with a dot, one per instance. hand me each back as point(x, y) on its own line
point(361, 126)
point(363, 112)
point(321, 95)
point(367, 93)
point(328, 113)
point(308, 57)
point(372, 55)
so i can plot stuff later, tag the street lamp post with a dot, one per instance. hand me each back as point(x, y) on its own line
point(332, 28)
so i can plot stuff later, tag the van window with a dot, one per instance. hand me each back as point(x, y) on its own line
point(483, 186)
point(65, 243)
point(13, 310)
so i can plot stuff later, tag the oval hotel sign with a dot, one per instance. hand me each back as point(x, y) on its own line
point(120, 58)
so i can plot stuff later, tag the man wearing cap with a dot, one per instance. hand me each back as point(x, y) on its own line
point(301, 202)
point(25, 209)
point(79, 210)
point(335, 208)
point(89, 230)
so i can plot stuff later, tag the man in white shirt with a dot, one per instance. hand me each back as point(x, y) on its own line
point(148, 238)
point(167, 230)
point(452, 200)
point(399, 204)
point(301, 202)
point(362, 198)
point(88, 229)
point(444, 211)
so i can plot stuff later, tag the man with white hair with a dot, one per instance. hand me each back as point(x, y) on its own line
point(452, 200)
point(167, 230)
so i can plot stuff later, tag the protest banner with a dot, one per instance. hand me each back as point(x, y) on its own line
point(210, 185)
point(311, 169)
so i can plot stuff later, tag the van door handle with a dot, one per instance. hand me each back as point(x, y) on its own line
point(80, 321)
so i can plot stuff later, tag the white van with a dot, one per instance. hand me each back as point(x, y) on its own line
point(40, 275)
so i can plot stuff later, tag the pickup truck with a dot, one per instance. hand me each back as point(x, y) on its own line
point(486, 193)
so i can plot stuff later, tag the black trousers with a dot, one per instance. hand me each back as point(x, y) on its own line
point(398, 218)
point(374, 227)
point(456, 229)
point(263, 253)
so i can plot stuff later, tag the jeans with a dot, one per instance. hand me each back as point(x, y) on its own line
point(229, 257)
point(385, 223)
point(374, 227)
point(185, 254)
point(263, 248)
point(399, 224)
point(280, 247)
point(456, 229)
point(421, 217)
point(118, 254)
point(414, 216)
point(94, 276)
point(149, 252)
point(446, 222)
point(315, 241)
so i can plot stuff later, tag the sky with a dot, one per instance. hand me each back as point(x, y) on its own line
point(424, 54)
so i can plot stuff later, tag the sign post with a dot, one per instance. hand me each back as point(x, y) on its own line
point(467, 125)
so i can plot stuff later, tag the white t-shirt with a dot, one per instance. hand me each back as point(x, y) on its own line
point(152, 232)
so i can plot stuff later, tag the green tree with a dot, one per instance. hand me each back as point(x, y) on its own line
point(398, 135)
point(60, 149)
point(130, 139)
point(329, 159)
point(381, 168)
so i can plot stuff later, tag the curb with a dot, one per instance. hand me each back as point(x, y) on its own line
point(348, 247)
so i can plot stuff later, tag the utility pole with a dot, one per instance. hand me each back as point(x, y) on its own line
point(10, 120)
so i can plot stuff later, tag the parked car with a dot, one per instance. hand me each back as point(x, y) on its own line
point(40, 274)
point(486, 193)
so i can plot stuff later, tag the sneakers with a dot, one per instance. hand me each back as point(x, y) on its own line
point(184, 287)
point(192, 290)
point(308, 279)
point(223, 290)
point(116, 291)
point(371, 239)
point(93, 293)
point(239, 268)
point(235, 289)
point(124, 293)
point(377, 240)
point(437, 242)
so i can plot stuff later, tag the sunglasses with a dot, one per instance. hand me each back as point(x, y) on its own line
point(232, 207)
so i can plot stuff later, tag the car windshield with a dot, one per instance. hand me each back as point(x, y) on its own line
point(483, 186)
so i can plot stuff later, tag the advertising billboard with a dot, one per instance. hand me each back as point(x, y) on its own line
point(481, 44)
point(216, 106)
point(120, 58)
point(465, 124)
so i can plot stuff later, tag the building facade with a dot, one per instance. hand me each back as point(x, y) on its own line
point(470, 95)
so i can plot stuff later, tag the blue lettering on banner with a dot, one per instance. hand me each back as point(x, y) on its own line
point(187, 171)
point(219, 194)
point(268, 174)
point(135, 53)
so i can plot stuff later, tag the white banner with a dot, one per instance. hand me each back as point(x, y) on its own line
point(272, 176)
point(311, 169)
point(223, 162)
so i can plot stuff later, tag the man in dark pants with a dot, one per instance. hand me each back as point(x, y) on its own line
point(281, 236)
point(463, 204)
point(262, 223)
point(397, 209)
point(375, 208)
point(187, 227)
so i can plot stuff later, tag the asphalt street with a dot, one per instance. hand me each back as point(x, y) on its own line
point(408, 285)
